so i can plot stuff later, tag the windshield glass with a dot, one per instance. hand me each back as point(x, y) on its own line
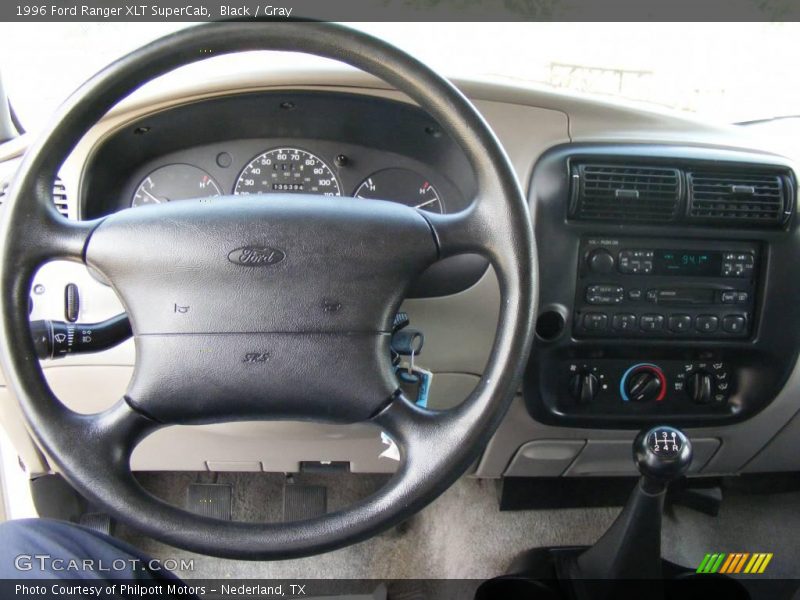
point(726, 71)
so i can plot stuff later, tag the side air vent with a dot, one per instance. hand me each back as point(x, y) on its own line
point(60, 200)
point(625, 193)
point(60, 197)
point(747, 198)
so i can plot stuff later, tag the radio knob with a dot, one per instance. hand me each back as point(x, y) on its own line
point(700, 387)
point(600, 261)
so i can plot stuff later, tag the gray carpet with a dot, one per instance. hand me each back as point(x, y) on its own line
point(747, 523)
point(463, 535)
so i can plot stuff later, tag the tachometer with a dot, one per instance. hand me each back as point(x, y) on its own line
point(287, 170)
point(175, 182)
point(401, 185)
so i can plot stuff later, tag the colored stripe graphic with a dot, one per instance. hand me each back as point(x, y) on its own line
point(716, 565)
point(721, 562)
point(732, 558)
point(759, 558)
point(764, 564)
point(704, 563)
point(740, 564)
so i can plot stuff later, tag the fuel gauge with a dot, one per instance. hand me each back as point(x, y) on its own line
point(175, 182)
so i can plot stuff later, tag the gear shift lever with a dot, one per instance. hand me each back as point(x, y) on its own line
point(662, 455)
point(631, 548)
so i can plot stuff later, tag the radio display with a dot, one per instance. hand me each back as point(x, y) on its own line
point(687, 262)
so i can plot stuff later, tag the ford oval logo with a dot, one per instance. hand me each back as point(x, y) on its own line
point(256, 256)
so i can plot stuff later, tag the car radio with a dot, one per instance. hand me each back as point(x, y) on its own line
point(661, 288)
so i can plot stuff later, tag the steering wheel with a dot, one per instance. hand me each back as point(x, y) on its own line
point(290, 303)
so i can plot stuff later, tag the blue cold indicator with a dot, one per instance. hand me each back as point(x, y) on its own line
point(624, 378)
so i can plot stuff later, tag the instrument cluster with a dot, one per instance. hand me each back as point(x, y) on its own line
point(291, 170)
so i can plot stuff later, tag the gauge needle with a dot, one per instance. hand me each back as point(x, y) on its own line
point(156, 200)
point(426, 203)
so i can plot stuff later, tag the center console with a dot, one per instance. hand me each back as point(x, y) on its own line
point(666, 283)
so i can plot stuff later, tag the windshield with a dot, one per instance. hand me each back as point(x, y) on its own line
point(729, 72)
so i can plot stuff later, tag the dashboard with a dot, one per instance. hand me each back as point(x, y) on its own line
point(656, 302)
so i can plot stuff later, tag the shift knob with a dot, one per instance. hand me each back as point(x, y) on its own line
point(662, 453)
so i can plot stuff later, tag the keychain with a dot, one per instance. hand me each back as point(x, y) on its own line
point(415, 382)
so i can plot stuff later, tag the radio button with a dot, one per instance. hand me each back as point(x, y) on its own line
point(593, 321)
point(623, 322)
point(636, 262)
point(734, 323)
point(680, 323)
point(634, 294)
point(707, 323)
point(734, 297)
point(651, 322)
point(604, 294)
point(737, 265)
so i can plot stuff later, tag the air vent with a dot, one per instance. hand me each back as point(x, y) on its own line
point(747, 198)
point(60, 200)
point(625, 193)
point(60, 197)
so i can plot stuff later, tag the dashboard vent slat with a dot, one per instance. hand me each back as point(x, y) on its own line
point(60, 198)
point(738, 197)
point(625, 193)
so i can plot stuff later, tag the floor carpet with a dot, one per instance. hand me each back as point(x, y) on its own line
point(462, 535)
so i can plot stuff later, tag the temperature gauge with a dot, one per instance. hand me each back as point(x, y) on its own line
point(401, 185)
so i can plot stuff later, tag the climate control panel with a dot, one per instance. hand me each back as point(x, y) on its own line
point(619, 387)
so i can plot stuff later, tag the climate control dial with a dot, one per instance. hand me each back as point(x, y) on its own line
point(643, 382)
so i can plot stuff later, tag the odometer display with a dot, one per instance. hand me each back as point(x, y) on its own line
point(287, 171)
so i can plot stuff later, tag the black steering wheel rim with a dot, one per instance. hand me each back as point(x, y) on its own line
point(93, 452)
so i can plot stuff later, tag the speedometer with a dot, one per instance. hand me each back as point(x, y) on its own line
point(287, 170)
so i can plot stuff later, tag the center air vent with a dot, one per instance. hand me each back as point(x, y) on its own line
point(625, 193)
point(748, 198)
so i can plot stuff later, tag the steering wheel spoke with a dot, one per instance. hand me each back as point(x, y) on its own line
point(65, 239)
point(50, 236)
point(459, 233)
point(108, 438)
